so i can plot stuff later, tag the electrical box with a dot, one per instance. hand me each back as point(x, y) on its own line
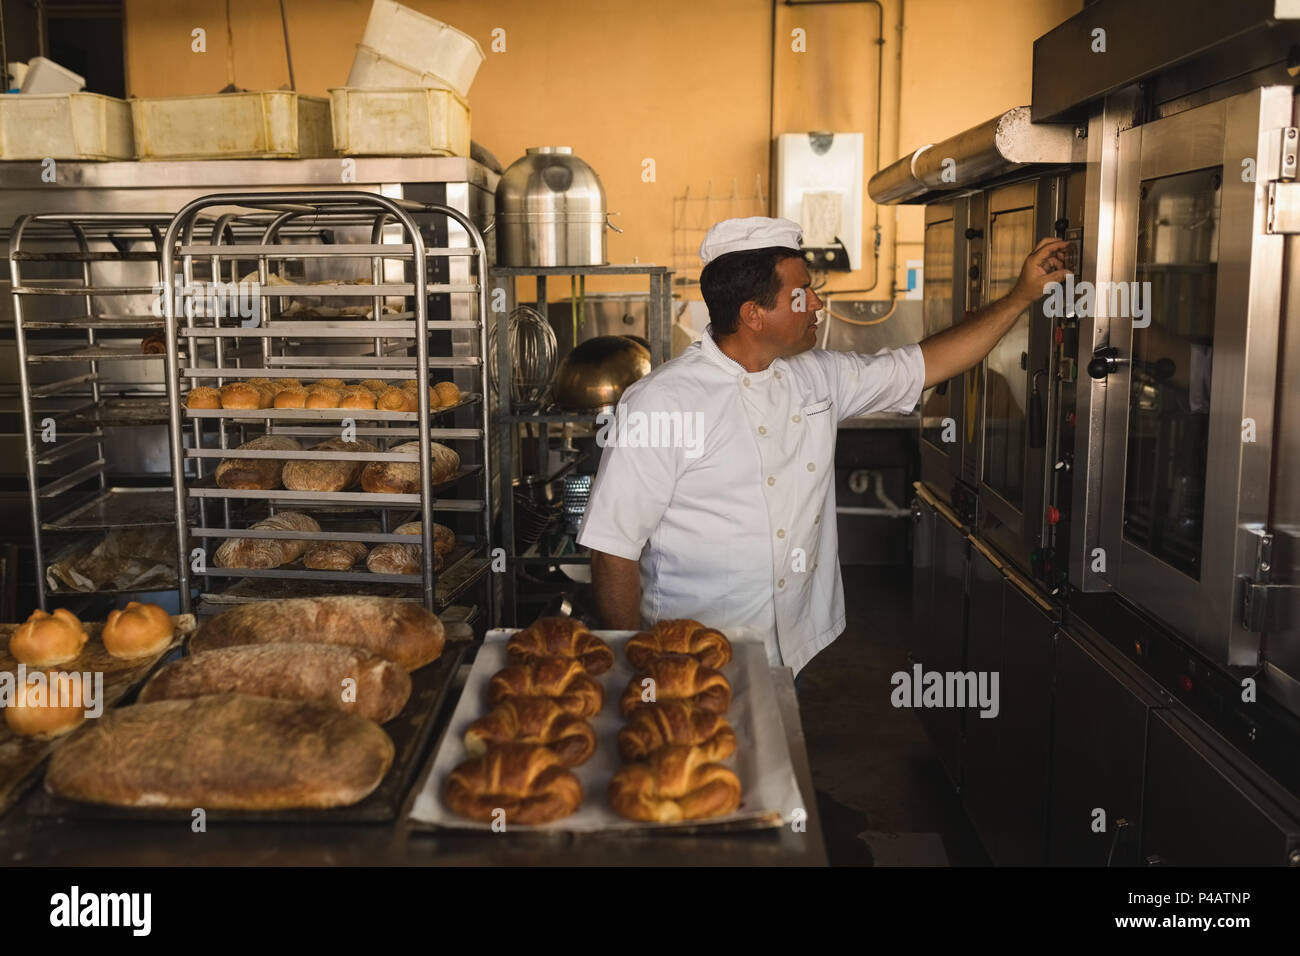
point(819, 186)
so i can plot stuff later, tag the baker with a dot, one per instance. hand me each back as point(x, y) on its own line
point(728, 516)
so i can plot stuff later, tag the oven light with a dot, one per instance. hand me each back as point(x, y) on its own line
point(1185, 683)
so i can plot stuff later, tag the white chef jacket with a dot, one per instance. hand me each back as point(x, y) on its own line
point(735, 526)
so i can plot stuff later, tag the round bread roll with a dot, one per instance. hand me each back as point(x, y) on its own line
point(410, 384)
point(331, 383)
point(403, 478)
point(203, 397)
point(444, 539)
point(140, 630)
point(357, 397)
point(334, 555)
point(241, 395)
point(397, 400)
point(48, 639)
point(267, 390)
point(322, 397)
point(291, 383)
point(448, 394)
point(292, 397)
point(378, 386)
point(40, 709)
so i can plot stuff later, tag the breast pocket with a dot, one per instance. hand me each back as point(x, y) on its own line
point(816, 408)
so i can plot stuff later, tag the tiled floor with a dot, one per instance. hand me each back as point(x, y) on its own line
point(883, 796)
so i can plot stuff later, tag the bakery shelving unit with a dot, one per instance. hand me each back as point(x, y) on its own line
point(376, 253)
point(83, 287)
point(510, 420)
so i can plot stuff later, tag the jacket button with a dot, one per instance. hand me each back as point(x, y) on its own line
point(780, 532)
point(762, 429)
point(745, 380)
point(795, 418)
point(811, 466)
point(781, 583)
point(771, 480)
point(778, 374)
point(817, 519)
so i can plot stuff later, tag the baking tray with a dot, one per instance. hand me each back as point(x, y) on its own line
point(21, 757)
point(770, 791)
point(410, 732)
point(119, 508)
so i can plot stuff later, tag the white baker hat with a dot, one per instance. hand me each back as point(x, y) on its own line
point(755, 232)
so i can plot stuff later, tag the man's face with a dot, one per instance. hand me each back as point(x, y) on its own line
point(790, 327)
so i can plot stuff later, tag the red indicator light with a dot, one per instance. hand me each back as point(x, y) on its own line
point(1185, 683)
point(1053, 514)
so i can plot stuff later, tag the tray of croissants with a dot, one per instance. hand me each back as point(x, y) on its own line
point(563, 728)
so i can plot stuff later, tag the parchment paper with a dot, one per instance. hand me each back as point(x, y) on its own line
point(770, 792)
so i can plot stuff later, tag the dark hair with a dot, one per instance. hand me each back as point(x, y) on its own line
point(729, 281)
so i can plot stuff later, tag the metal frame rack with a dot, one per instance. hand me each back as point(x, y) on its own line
point(658, 331)
point(62, 294)
point(400, 266)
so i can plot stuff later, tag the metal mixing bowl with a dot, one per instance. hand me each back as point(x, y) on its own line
point(592, 376)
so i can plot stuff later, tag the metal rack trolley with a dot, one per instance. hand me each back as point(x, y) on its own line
point(64, 420)
point(658, 333)
point(282, 346)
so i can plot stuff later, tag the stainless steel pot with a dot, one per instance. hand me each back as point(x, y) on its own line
point(593, 376)
point(550, 211)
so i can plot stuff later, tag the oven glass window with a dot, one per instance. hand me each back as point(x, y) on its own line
point(1011, 238)
point(937, 315)
point(1172, 309)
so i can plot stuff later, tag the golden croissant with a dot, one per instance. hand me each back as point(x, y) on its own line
point(675, 783)
point(675, 722)
point(533, 720)
point(526, 781)
point(559, 678)
point(707, 645)
point(560, 637)
point(677, 677)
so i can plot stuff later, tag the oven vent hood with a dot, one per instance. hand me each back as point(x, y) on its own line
point(972, 158)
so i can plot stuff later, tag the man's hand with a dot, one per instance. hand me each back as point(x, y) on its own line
point(954, 350)
point(1046, 264)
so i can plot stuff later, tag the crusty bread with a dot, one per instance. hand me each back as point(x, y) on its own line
point(528, 782)
point(45, 640)
point(355, 396)
point(241, 395)
point(377, 386)
point(326, 475)
point(560, 637)
point(335, 383)
point(706, 644)
point(399, 631)
point(203, 397)
point(319, 396)
point(403, 478)
point(291, 396)
point(141, 630)
point(448, 393)
point(267, 552)
point(50, 707)
point(392, 558)
point(676, 783)
point(256, 474)
point(223, 752)
point(533, 720)
point(334, 555)
point(396, 400)
point(345, 678)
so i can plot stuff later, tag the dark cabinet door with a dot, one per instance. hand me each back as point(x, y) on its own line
point(982, 756)
point(1099, 723)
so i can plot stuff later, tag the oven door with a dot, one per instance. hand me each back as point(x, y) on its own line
point(1017, 378)
point(1192, 322)
point(942, 304)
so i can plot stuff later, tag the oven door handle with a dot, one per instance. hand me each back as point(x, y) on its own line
point(1037, 413)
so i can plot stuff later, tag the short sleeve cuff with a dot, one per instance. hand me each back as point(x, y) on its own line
point(609, 544)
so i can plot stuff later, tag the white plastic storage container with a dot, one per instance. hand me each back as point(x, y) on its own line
point(263, 125)
point(371, 70)
point(64, 126)
point(422, 44)
point(410, 122)
point(46, 76)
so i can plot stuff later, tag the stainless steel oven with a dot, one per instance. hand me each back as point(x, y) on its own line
point(1186, 369)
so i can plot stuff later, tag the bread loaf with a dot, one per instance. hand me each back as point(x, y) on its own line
point(676, 783)
point(267, 552)
point(707, 645)
point(45, 640)
point(403, 478)
point(292, 396)
point(677, 677)
point(240, 395)
point(319, 396)
point(326, 475)
point(401, 632)
point(139, 630)
point(335, 383)
point(349, 679)
point(203, 397)
point(256, 474)
point(222, 752)
point(334, 555)
point(533, 720)
point(396, 400)
point(448, 393)
point(154, 344)
point(48, 708)
point(393, 558)
point(526, 781)
point(675, 722)
point(356, 396)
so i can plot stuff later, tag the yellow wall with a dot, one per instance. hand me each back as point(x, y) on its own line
point(683, 82)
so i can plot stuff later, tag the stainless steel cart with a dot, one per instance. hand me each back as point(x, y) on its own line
point(395, 257)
